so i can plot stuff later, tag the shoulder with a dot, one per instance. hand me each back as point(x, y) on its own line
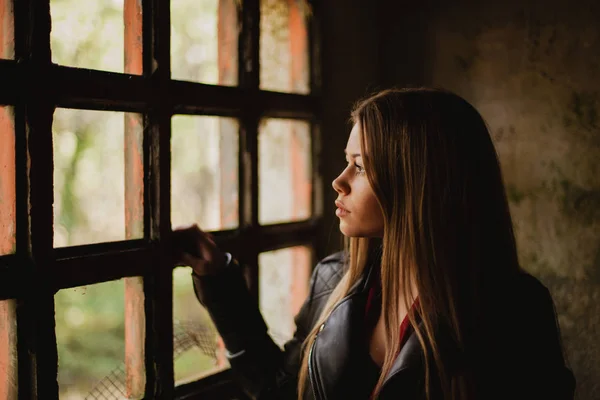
point(328, 273)
point(527, 318)
point(529, 292)
point(526, 341)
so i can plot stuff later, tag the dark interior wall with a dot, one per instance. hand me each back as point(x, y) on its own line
point(532, 69)
point(350, 71)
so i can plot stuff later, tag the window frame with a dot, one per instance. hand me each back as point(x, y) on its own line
point(35, 86)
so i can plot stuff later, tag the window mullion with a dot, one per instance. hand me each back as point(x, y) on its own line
point(158, 283)
point(249, 63)
point(249, 75)
point(36, 336)
point(314, 35)
point(315, 79)
point(39, 138)
point(318, 187)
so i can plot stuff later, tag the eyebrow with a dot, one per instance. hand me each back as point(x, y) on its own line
point(353, 155)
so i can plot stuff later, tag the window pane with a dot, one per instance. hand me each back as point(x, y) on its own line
point(89, 183)
point(7, 181)
point(204, 172)
point(204, 41)
point(90, 34)
point(284, 65)
point(8, 350)
point(284, 174)
point(90, 336)
point(7, 38)
point(283, 276)
point(198, 349)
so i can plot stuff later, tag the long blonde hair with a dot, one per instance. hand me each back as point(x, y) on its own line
point(447, 229)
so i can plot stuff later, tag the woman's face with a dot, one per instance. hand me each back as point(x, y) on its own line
point(357, 206)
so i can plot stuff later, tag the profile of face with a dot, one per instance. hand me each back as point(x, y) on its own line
point(357, 206)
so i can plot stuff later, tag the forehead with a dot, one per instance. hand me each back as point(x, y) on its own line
point(353, 145)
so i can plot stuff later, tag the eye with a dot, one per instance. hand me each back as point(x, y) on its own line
point(359, 169)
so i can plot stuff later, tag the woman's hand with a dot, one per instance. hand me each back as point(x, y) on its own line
point(195, 248)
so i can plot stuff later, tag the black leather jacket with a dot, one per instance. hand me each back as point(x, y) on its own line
point(527, 362)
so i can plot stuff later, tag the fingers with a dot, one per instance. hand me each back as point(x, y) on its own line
point(200, 267)
point(196, 243)
point(195, 231)
point(189, 260)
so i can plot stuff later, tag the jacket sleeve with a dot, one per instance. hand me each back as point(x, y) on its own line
point(263, 370)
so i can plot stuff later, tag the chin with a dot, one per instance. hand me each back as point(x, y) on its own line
point(352, 232)
point(349, 232)
point(346, 230)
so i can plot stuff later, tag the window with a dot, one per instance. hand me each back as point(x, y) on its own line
point(120, 120)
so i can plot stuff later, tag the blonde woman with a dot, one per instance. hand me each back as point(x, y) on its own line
point(428, 300)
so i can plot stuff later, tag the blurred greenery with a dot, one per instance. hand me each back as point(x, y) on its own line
point(88, 34)
point(90, 332)
point(194, 42)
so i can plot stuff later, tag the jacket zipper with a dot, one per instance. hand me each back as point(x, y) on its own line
point(317, 393)
point(312, 372)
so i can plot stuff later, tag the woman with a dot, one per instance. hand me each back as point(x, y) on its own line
point(428, 301)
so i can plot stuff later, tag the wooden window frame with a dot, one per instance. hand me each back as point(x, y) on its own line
point(35, 87)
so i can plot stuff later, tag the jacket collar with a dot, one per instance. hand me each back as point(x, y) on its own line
point(340, 335)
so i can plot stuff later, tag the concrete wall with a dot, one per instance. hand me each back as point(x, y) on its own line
point(532, 69)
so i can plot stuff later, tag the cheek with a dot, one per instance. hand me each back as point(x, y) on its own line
point(366, 219)
point(367, 202)
point(372, 212)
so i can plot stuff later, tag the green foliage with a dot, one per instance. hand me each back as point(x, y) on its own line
point(90, 330)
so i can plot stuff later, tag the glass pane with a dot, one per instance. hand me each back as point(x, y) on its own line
point(204, 41)
point(284, 167)
point(284, 65)
point(204, 172)
point(7, 36)
point(198, 349)
point(90, 336)
point(7, 181)
point(8, 350)
point(89, 182)
point(88, 34)
point(283, 286)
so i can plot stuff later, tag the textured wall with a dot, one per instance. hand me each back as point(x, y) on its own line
point(533, 72)
point(532, 69)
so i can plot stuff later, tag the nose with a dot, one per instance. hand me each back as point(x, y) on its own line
point(340, 185)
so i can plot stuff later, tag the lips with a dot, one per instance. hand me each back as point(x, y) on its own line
point(340, 205)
